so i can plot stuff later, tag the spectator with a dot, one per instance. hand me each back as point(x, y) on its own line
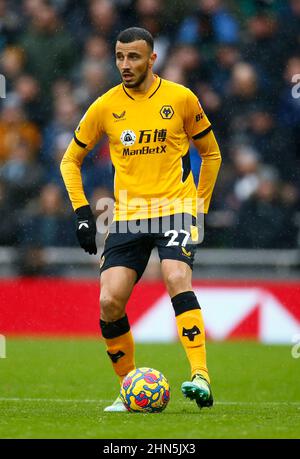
point(65, 119)
point(49, 49)
point(240, 58)
point(150, 15)
point(289, 101)
point(274, 142)
point(265, 41)
point(15, 128)
point(209, 24)
point(241, 100)
point(227, 56)
point(97, 49)
point(76, 20)
point(262, 221)
point(93, 83)
point(104, 20)
point(62, 88)
point(290, 15)
point(189, 60)
point(27, 89)
point(9, 221)
point(245, 178)
point(59, 146)
point(9, 24)
point(174, 73)
point(12, 64)
point(46, 223)
point(21, 175)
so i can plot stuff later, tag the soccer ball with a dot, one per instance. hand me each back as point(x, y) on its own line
point(145, 390)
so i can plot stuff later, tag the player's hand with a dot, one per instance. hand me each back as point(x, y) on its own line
point(86, 229)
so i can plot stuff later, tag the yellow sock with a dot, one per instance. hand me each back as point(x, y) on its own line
point(121, 352)
point(119, 345)
point(190, 327)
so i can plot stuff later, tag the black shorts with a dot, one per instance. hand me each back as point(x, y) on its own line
point(130, 243)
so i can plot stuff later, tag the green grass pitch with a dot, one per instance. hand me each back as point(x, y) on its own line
point(58, 389)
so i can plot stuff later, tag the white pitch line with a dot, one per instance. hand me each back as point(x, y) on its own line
point(65, 400)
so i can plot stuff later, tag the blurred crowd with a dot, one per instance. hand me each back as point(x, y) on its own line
point(240, 58)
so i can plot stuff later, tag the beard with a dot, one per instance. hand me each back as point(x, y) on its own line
point(138, 82)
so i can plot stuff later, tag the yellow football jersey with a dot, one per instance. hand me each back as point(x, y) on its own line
point(149, 135)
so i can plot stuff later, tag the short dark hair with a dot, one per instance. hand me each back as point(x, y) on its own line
point(135, 33)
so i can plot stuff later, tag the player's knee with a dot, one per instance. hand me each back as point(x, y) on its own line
point(111, 308)
point(177, 279)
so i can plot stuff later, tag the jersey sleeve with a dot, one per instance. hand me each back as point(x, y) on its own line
point(90, 128)
point(196, 123)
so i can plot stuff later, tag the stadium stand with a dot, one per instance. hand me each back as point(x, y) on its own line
point(58, 56)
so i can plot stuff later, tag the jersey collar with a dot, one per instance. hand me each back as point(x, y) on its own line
point(146, 95)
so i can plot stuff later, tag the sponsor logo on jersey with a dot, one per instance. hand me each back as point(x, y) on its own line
point(149, 135)
point(128, 137)
point(145, 150)
point(145, 136)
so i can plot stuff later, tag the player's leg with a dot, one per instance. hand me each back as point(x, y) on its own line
point(178, 279)
point(176, 252)
point(123, 262)
point(116, 286)
point(177, 276)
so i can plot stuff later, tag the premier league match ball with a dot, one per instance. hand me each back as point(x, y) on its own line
point(145, 390)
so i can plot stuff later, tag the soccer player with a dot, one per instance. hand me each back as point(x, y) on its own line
point(149, 122)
